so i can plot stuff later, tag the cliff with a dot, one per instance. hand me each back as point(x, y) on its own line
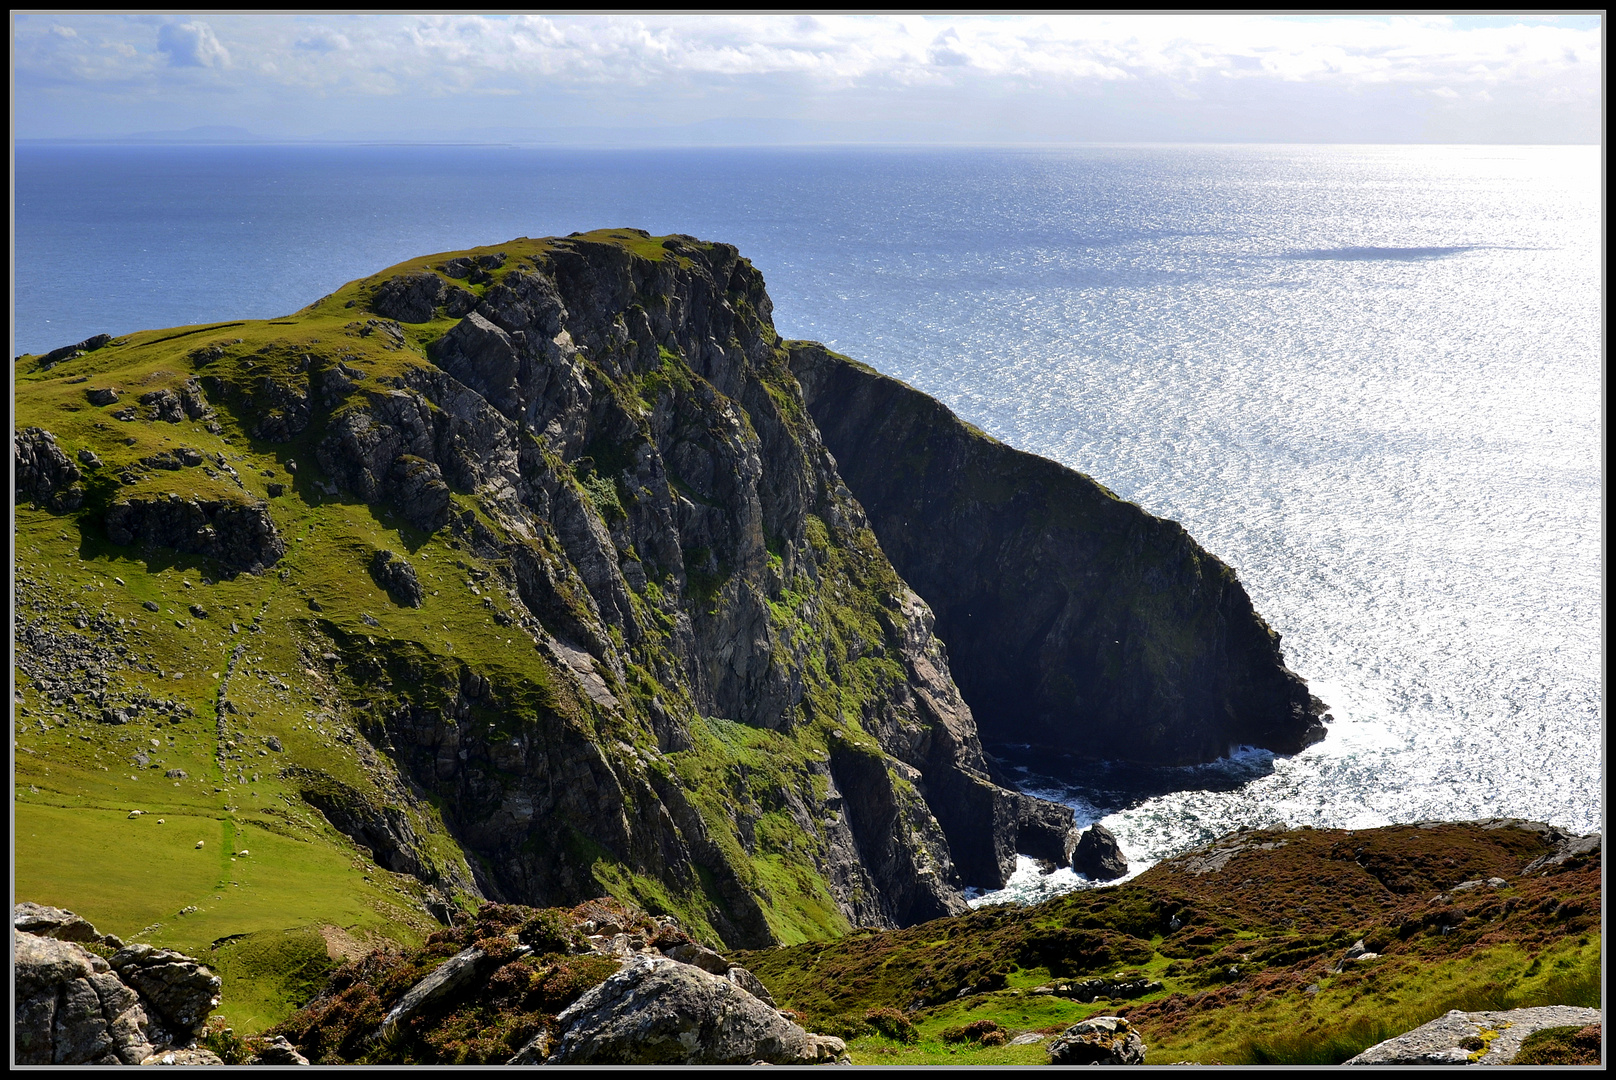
point(525, 571)
point(525, 574)
point(1073, 619)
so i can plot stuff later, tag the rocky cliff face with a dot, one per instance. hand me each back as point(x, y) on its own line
point(1073, 619)
point(529, 570)
point(671, 661)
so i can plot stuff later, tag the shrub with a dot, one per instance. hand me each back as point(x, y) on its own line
point(893, 1024)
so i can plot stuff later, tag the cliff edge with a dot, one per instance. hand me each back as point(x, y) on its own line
point(1073, 619)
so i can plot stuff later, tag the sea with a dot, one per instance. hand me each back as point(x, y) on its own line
point(1369, 378)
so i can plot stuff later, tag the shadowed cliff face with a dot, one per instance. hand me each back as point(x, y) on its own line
point(1073, 619)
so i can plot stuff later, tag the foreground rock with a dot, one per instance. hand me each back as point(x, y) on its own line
point(1099, 1040)
point(72, 1010)
point(1478, 1038)
point(663, 1012)
point(73, 1007)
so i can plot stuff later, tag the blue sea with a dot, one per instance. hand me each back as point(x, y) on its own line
point(1369, 378)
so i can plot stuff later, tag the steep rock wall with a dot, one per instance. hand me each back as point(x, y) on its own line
point(1073, 619)
point(614, 428)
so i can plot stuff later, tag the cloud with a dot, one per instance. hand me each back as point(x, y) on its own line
point(323, 40)
point(191, 44)
point(1185, 74)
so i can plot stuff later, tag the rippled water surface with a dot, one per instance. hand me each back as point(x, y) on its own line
point(1368, 378)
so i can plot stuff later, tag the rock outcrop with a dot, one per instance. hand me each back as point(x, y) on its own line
point(1099, 856)
point(622, 413)
point(74, 1007)
point(673, 659)
point(1074, 619)
point(662, 1012)
point(241, 536)
point(1099, 1040)
point(41, 472)
point(1474, 1038)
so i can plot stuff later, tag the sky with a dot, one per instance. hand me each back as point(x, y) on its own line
point(651, 79)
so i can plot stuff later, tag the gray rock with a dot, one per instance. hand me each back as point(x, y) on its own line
point(658, 1011)
point(1098, 855)
point(53, 922)
point(279, 1052)
point(1494, 1038)
point(457, 971)
point(750, 983)
point(411, 298)
point(164, 405)
point(73, 352)
point(42, 472)
point(393, 574)
point(88, 459)
point(420, 492)
point(1568, 849)
point(105, 395)
point(70, 1008)
point(485, 358)
point(699, 955)
point(241, 536)
point(191, 1056)
point(1099, 1040)
point(178, 991)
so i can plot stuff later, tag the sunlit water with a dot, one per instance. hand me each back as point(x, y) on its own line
point(1367, 378)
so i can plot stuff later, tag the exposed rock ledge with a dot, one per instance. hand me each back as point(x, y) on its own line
point(1473, 1038)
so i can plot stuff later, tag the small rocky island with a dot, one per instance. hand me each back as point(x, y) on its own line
point(503, 581)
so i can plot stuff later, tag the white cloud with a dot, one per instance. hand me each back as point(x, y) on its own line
point(650, 69)
point(191, 44)
point(323, 40)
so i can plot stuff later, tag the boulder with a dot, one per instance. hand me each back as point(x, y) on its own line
point(278, 1052)
point(53, 922)
point(1099, 1040)
point(1098, 855)
point(699, 955)
point(393, 574)
point(658, 1011)
point(192, 1056)
point(177, 990)
point(750, 983)
point(71, 1009)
